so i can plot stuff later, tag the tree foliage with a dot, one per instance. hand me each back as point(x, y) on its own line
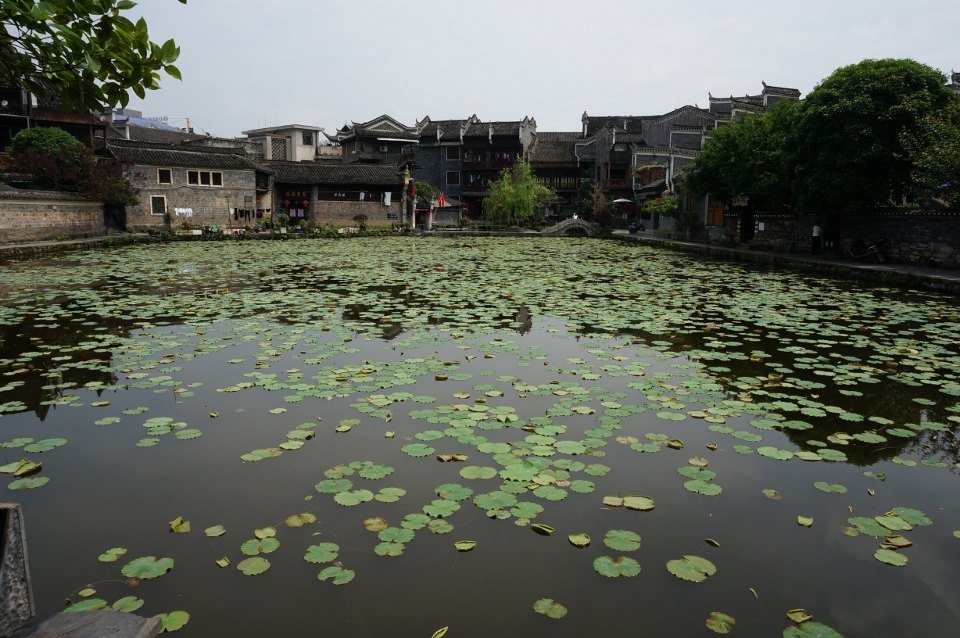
point(748, 157)
point(85, 53)
point(872, 132)
point(593, 204)
point(426, 189)
point(849, 142)
point(49, 158)
point(666, 206)
point(935, 149)
point(515, 196)
point(44, 140)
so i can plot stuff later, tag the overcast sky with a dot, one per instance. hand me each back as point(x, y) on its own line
point(255, 63)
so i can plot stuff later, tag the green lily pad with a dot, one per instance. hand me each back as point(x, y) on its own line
point(128, 604)
point(89, 604)
point(623, 566)
point(622, 540)
point(692, 568)
point(579, 540)
point(322, 553)
point(253, 566)
point(720, 623)
point(550, 608)
point(147, 567)
point(337, 575)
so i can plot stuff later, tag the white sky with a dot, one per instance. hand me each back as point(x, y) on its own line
point(255, 63)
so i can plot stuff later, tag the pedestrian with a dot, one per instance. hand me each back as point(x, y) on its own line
point(817, 243)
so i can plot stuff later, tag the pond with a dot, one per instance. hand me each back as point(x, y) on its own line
point(515, 437)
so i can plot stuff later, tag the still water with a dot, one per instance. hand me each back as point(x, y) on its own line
point(796, 435)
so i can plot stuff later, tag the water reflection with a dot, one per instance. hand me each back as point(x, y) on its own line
point(604, 349)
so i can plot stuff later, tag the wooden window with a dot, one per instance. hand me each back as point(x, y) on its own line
point(308, 138)
point(453, 153)
point(164, 176)
point(453, 178)
point(205, 178)
point(158, 204)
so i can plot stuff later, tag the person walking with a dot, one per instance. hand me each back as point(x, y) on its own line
point(817, 244)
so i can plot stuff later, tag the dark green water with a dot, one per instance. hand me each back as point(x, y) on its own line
point(593, 354)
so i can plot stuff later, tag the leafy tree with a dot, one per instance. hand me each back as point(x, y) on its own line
point(52, 158)
point(514, 197)
point(935, 151)
point(44, 140)
point(84, 52)
point(665, 206)
point(749, 156)
point(426, 189)
point(595, 205)
point(849, 142)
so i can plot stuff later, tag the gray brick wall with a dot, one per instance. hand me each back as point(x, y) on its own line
point(210, 204)
point(34, 220)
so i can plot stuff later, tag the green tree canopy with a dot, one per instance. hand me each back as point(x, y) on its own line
point(749, 156)
point(48, 158)
point(849, 145)
point(515, 196)
point(84, 52)
point(44, 140)
point(935, 150)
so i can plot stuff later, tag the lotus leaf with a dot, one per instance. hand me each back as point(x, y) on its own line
point(439, 508)
point(90, 604)
point(337, 575)
point(579, 540)
point(550, 608)
point(128, 604)
point(720, 623)
point(692, 568)
point(465, 546)
point(622, 540)
point(454, 492)
point(147, 567)
point(389, 494)
point(179, 525)
point(299, 520)
point(623, 566)
point(396, 535)
point(256, 546)
point(355, 497)
point(112, 554)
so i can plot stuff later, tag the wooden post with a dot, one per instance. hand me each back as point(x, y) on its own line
point(16, 594)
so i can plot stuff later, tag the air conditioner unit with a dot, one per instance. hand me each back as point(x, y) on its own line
point(384, 148)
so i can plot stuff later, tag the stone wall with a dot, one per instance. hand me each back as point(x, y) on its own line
point(340, 213)
point(38, 216)
point(207, 204)
point(913, 238)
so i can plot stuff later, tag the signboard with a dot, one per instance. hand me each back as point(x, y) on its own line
point(392, 216)
point(739, 200)
point(248, 199)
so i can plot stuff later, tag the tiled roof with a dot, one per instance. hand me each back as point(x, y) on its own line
point(482, 129)
point(780, 90)
point(334, 174)
point(397, 130)
point(449, 129)
point(8, 192)
point(149, 154)
point(631, 123)
point(551, 147)
point(702, 113)
point(150, 134)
